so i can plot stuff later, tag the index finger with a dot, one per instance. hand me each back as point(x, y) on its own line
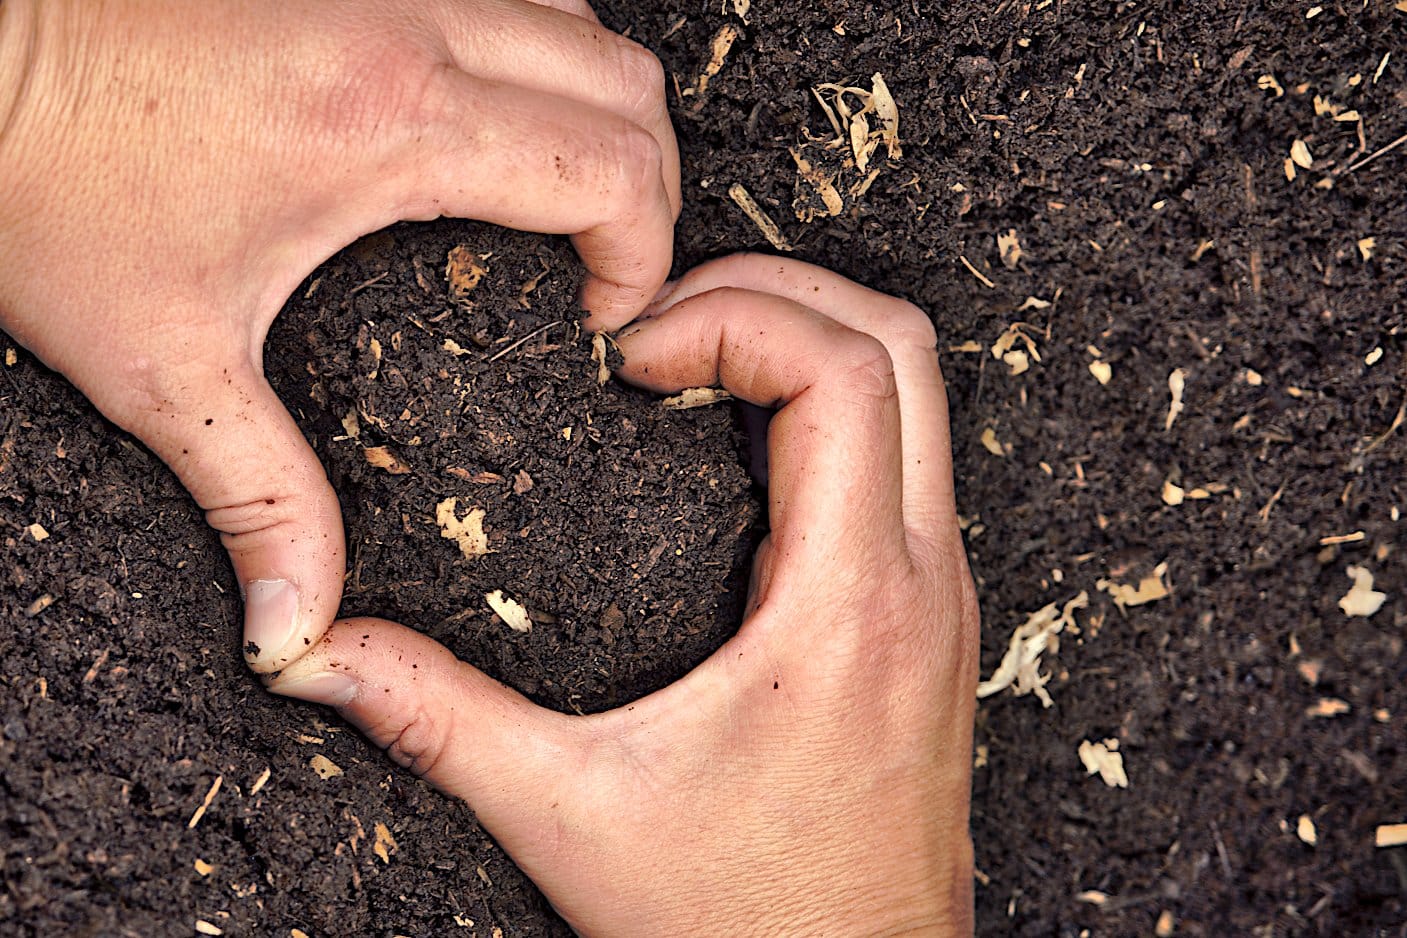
point(833, 447)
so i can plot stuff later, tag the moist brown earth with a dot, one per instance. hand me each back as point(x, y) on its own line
point(1138, 153)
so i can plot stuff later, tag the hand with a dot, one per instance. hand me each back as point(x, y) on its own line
point(169, 174)
point(812, 776)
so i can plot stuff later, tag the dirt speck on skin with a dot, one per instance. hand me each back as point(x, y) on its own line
point(1139, 155)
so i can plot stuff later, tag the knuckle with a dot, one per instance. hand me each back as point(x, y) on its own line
point(904, 324)
point(867, 368)
point(637, 163)
point(642, 77)
point(419, 744)
point(244, 521)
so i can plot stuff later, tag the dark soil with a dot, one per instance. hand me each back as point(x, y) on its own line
point(1141, 165)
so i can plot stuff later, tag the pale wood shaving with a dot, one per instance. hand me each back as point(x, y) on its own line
point(1177, 382)
point(1361, 599)
point(1150, 589)
point(1105, 760)
point(467, 532)
point(1020, 665)
point(690, 398)
point(510, 611)
point(1390, 835)
point(205, 804)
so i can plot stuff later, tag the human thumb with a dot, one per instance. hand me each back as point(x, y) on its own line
point(235, 447)
point(447, 721)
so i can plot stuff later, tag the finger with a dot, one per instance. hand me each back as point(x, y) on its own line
point(907, 334)
point(575, 7)
point(833, 447)
point(450, 723)
point(233, 445)
point(518, 158)
point(560, 53)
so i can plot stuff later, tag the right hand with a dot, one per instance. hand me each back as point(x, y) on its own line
point(170, 172)
point(812, 776)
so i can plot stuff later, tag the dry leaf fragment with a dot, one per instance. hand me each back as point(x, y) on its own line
point(203, 868)
point(1150, 589)
point(463, 272)
point(1106, 760)
point(36, 531)
point(11, 356)
point(467, 532)
point(324, 766)
point(522, 482)
point(1361, 599)
point(1102, 371)
point(1390, 835)
point(888, 113)
point(1366, 246)
point(1177, 382)
point(722, 44)
point(1304, 830)
point(1009, 248)
point(598, 355)
point(993, 445)
point(821, 183)
point(695, 397)
point(1299, 152)
point(382, 458)
point(511, 612)
point(1020, 665)
point(1268, 83)
point(454, 348)
point(385, 844)
point(741, 7)
point(351, 425)
point(1328, 707)
point(1018, 361)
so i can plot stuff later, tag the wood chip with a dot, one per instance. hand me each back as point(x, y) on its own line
point(1390, 835)
point(385, 844)
point(511, 612)
point(454, 348)
point(1150, 589)
point(1163, 928)
point(204, 805)
point(1373, 357)
point(203, 868)
point(467, 532)
point(324, 766)
point(1020, 665)
point(1328, 707)
point(744, 200)
point(695, 397)
point(722, 44)
point(1102, 371)
point(1361, 599)
point(38, 606)
point(1304, 830)
point(1173, 494)
point(1299, 153)
point(260, 782)
point(1177, 382)
point(381, 457)
point(1092, 897)
point(598, 355)
point(1009, 248)
point(1105, 760)
point(1353, 538)
point(993, 445)
point(463, 272)
point(11, 357)
point(36, 531)
point(205, 928)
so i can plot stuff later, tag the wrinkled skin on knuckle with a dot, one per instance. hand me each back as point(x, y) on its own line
point(642, 80)
point(908, 325)
point(866, 370)
point(417, 742)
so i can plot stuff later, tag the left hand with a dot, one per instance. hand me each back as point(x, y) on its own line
point(812, 776)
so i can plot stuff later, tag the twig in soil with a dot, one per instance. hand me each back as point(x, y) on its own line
point(531, 335)
point(744, 200)
point(976, 273)
point(1377, 153)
